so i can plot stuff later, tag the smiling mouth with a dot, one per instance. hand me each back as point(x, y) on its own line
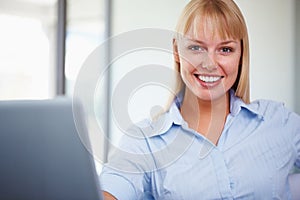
point(209, 79)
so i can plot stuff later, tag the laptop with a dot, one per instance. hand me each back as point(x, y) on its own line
point(41, 153)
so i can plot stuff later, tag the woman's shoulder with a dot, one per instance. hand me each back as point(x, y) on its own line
point(271, 109)
point(266, 105)
point(147, 128)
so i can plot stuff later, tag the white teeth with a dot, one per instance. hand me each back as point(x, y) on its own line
point(209, 79)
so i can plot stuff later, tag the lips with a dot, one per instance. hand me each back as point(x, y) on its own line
point(208, 81)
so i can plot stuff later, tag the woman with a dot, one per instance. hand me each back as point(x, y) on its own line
point(212, 143)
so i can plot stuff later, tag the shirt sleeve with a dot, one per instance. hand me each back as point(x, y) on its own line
point(297, 144)
point(118, 184)
point(126, 174)
point(292, 123)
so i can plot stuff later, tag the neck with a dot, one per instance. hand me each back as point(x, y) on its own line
point(206, 117)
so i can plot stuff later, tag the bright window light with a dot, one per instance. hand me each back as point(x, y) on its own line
point(24, 58)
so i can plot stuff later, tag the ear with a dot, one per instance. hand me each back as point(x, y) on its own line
point(175, 51)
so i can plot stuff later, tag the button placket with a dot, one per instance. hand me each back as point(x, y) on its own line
point(222, 174)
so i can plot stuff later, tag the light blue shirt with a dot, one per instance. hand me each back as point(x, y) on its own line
point(164, 159)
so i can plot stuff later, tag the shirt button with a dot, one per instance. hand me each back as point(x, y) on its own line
point(231, 185)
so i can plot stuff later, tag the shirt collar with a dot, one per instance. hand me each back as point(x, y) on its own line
point(173, 115)
point(236, 105)
point(165, 121)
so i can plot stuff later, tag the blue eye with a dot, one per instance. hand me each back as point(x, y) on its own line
point(195, 48)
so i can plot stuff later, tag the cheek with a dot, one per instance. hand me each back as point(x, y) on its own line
point(231, 70)
point(186, 66)
point(186, 71)
point(231, 65)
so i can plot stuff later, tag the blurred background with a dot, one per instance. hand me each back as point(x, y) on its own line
point(43, 44)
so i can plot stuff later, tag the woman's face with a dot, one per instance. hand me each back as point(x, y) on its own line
point(208, 64)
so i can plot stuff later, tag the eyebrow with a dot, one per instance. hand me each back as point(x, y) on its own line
point(222, 43)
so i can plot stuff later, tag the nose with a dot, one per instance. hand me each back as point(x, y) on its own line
point(209, 62)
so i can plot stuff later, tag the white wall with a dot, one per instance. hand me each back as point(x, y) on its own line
point(271, 31)
point(297, 56)
point(133, 14)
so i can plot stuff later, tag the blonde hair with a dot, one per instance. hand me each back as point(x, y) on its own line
point(226, 18)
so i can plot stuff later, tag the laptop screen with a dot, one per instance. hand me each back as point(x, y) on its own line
point(41, 153)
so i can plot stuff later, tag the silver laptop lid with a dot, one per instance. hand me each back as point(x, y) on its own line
point(41, 153)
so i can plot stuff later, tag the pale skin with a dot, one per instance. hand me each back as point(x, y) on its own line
point(108, 196)
point(208, 67)
point(210, 121)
